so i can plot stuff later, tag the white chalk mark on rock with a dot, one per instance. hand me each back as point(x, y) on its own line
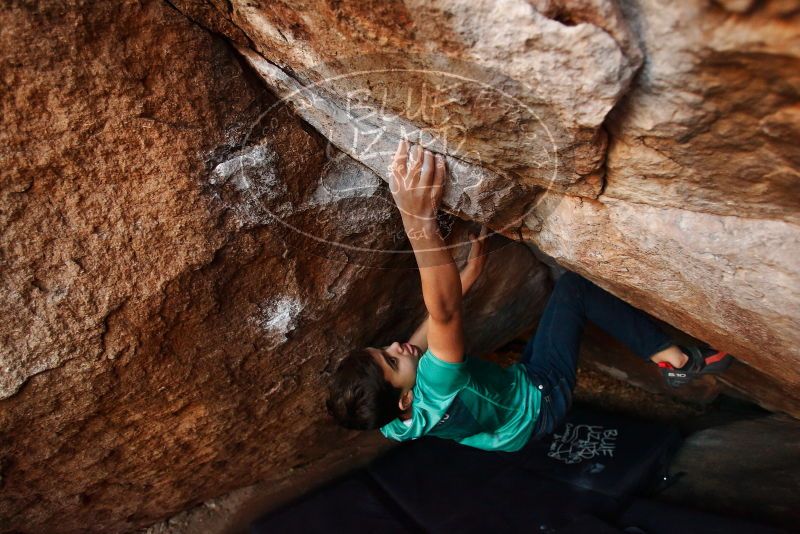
point(277, 317)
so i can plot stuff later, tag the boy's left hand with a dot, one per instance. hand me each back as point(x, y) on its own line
point(477, 255)
point(475, 261)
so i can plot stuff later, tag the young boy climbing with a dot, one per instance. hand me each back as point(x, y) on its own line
point(428, 386)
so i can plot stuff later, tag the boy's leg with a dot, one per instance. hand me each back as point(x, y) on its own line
point(574, 301)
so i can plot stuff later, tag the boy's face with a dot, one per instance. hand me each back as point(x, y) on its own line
point(399, 363)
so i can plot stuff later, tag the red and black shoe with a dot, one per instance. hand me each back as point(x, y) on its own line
point(702, 361)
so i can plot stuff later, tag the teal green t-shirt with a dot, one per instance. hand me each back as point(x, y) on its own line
point(474, 402)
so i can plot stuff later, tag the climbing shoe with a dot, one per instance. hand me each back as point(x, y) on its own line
point(702, 361)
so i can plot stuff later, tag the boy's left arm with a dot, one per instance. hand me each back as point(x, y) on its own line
point(468, 275)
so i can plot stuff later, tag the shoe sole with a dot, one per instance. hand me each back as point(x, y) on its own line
point(714, 365)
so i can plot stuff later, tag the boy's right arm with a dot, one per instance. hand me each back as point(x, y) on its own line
point(417, 182)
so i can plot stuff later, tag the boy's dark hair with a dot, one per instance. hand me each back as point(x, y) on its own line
point(359, 397)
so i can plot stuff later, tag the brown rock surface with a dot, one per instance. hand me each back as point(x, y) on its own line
point(513, 97)
point(712, 122)
point(729, 281)
point(170, 336)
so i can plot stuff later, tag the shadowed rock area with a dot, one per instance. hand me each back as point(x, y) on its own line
point(195, 225)
point(715, 471)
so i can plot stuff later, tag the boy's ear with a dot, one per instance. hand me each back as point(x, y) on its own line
point(405, 400)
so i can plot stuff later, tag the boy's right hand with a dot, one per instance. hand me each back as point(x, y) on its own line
point(417, 183)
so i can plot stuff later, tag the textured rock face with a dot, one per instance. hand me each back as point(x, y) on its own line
point(712, 121)
point(693, 213)
point(521, 103)
point(171, 335)
point(729, 281)
point(184, 258)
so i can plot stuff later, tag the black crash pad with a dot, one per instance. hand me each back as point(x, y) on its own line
point(447, 487)
point(575, 480)
point(608, 453)
point(354, 504)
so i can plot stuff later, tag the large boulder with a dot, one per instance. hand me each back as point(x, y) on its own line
point(514, 97)
point(729, 281)
point(674, 186)
point(180, 273)
point(698, 220)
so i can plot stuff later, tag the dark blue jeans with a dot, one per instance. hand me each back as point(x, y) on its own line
point(551, 355)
